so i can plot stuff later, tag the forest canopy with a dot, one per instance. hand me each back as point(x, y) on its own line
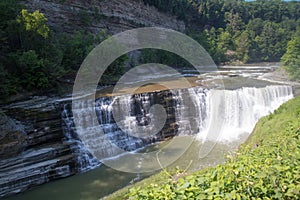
point(35, 58)
point(237, 30)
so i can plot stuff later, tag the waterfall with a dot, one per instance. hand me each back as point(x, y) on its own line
point(117, 132)
point(218, 115)
point(232, 114)
point(84, 159)
point(191, 110)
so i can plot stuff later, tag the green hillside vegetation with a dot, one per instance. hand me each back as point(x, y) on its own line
point(237, 30)
point(267, 166)
point(35, 58)
point(291, 59)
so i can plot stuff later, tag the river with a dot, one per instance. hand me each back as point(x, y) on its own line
point(249, 94)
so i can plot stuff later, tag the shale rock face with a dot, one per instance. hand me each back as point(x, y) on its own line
point(112, 15)
point(36, 144)
point(32, 150)
point(12, 137)
point(39, 143)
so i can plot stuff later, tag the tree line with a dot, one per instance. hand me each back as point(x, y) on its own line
point(35, 58)
point(238, 30)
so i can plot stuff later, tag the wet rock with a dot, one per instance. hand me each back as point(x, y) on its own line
point(12, 137)
point(41, 143)
point(34, 167)
point(32, 147)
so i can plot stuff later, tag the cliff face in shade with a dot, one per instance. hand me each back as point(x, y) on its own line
point(39, 142)
point(35, 145)
point(12, 137)
point(32, 147)
point(95, 15)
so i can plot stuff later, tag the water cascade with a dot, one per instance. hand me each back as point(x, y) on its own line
point(216, 116)
point(219, 115)
point(234, 113)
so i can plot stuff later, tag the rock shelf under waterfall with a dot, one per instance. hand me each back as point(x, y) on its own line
point(51, 147)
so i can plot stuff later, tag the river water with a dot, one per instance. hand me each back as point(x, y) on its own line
point(248, 97)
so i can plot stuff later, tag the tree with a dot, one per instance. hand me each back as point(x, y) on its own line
point(225, 40)
point(291, 59)
point(34, 71)
point(35, 22)
point(234, 23)
point(242, 44)
point(267, 41)
point(217, 53)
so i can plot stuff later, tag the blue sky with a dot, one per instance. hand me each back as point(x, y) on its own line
point(284, 0)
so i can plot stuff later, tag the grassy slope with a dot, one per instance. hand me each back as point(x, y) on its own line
point(267, 166)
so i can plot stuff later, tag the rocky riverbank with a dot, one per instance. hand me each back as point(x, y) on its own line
point(38, 143)
point(280, 76)
point(38, 139)
point(32, 147)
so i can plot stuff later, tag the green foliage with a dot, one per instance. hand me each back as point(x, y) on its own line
point(75, 48)
point(84, 17)
point(229, 30)
point(33, 58)
point(267, 166)
point(291, 59)
point(114, 70)
point(7, 85)
point(234, 23)
point(35, 22)
point(30, 56)
point(218, 43)
point(33, 70)
point(247, 31)
point(243, 43)
point(97, 15)
point(163, 57)
point(8, 12)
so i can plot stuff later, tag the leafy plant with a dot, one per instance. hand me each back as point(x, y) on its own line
point(77, 46)
point(35, 22)
point(32, 70)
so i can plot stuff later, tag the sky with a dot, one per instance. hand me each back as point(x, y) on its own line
point(284, 0)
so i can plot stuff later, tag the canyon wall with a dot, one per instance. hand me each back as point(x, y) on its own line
point(36, 145)
point(42, 142)
point(95, 15)
point(32, 147)
point(39, 141)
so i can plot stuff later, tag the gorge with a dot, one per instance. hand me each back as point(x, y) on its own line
point(49, 147)
point(46, 154)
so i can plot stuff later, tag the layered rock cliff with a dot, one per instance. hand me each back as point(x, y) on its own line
point(95, 15)
point(39, 141)
point(42, 142)
point(32, 147)
point(36, 145)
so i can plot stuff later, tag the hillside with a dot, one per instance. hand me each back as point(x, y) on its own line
point(45, 41)
point(93, 15)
